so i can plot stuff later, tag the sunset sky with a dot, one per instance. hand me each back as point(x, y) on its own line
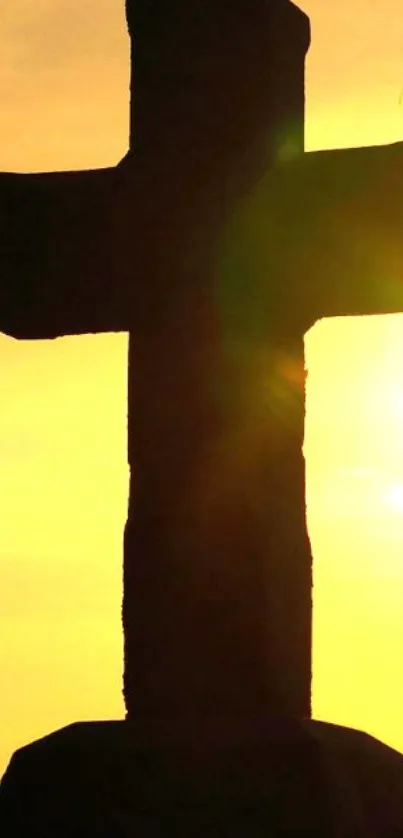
point(63, 472)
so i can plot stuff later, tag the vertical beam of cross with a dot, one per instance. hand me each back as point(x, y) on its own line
point(217, 584)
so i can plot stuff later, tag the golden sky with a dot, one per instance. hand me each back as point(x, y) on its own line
point(63, 475)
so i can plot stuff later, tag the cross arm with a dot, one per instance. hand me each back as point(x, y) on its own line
point(321, 236)
point(61, 259)
point(345, 228)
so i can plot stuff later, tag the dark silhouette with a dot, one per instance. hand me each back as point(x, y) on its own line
point(217, 243)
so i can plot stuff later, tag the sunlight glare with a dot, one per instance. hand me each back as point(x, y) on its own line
point(393, 497)
point(354, 454)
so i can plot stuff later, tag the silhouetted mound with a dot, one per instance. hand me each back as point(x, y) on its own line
point(283, 778)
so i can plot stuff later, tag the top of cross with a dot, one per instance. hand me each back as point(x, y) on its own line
point(214, 77)
point(159, 17)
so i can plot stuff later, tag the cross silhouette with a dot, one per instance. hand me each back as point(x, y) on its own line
point(216, 242)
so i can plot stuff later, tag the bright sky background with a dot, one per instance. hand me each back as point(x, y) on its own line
point(63, 474)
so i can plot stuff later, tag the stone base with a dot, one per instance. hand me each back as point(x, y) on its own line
point(272, 777)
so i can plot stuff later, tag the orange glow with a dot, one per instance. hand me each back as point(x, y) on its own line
point(63, 475)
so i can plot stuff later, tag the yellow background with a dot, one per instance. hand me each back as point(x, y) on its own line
point(63, 472)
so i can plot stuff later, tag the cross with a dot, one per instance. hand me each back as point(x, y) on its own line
point(216, 242)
